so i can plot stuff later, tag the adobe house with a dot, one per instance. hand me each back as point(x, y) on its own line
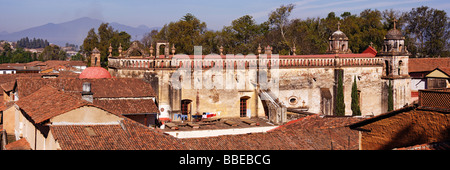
point(35, 114)
point(423, 123)
point(428, 73)
point(132, 98)
point(50, 119)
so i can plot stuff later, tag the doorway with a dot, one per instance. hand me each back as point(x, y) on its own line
point(243, 106)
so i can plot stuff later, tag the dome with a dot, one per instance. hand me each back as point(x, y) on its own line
point(94, 73)
point(394, 34)
point(338, 35)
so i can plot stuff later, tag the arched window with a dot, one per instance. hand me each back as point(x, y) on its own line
point(400, 63)
point(387, 67)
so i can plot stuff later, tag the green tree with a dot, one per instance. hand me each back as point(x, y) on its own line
point(340, 105)
point(90, 42)
point(279, 19)
point(52, 52)
point(106, 36)
point(429, 28)
point(390, 97)
point(184, 34)
point(308, 35)
point(245, 28)
point(243, 36)
point(356, 111)
point(371, 30)
point(77, 57)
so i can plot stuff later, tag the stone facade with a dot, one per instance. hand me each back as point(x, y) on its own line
point(303, 82)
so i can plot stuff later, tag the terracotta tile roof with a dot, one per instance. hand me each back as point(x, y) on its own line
point(21, 144)
point(6, 78)
point(370, 50)
point(446, 70)
point(357, 125)
point(403, 128)
point(8, 86)
point(312, 132)
point(102, 88)
point(129, 106)
point(4, 106)
point(48, 102)
point(50, 64)
point(123, 87)
point(427, 64)
point(128, 135)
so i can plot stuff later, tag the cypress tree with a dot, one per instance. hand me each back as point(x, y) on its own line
point(390, 97)
point(356, 111)
point(340, 105)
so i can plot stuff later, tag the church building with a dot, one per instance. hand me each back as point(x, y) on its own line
point(299, 83)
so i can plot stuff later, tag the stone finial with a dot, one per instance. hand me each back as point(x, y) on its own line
point(268, 50)
point(221, 50)
point(259, 48)
point(293, 50)
point(151, 50)
point(120, 49)
point(110, 50)
point(173, 49)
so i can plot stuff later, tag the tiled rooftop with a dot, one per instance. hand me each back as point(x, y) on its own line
point(21, 144)
point(203, 125)
point(312, 132)
point(123, 87)
point(129, 106)
point(128, 135)
point(309, 133)
point(48, 102)
point(427, 64)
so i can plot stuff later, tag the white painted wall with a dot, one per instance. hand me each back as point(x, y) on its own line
point(212, 133)
point(417, 84)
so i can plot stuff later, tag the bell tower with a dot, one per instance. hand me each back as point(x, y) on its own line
point(95, 58)
point(338, 42)
point(395, 68)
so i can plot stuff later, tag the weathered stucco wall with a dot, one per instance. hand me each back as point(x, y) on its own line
point(301, 83)
point(305, 84)
point(9, 119)
point(86, 114)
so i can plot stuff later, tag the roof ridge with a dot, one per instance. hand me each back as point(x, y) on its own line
point(48, 96)
point(292, 122)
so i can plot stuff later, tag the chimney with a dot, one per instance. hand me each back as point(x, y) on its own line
point(86, 94)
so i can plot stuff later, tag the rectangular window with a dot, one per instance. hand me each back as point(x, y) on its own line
point(243, 107)
point(185, 107)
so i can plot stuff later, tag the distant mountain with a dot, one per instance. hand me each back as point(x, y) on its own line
point(73, 31)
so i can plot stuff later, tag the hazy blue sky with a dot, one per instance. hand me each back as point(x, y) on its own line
point(17, 15)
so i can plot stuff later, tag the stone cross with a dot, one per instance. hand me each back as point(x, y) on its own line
point(339, 25)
